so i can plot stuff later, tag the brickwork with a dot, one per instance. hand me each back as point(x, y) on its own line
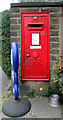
point(55, 34)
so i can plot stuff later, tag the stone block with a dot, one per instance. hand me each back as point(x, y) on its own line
point(15, 15)
point(17, 39)
point(19, 33)
point(54, 51)
point(14, 10)
point(54, 38)
point(55, 21)
point(23, 89)
point(27, 86)
point(15, 27)
point(26, 0)
point(13, 33)
point(54, 45)
point(54, 27)
point(55, 14)
point(13, 21)
point(54, 33)
point(51, 9)
point(19, 21)
point(31, 9)
point(53, 58)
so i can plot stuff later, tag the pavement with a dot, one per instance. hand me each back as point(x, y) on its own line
point(4, 81)
point(41, 109)
point(40, 106)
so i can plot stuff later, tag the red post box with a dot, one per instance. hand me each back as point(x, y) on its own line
point(35, 46)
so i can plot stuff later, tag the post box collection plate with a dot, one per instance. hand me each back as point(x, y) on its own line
point(35, 46)
point(35, 38)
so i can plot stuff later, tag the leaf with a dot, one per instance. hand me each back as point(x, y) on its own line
point(60, 79)
point(55, 77)
point(59, 83)
point(31, 94)
point(57, 58)
point(49, 91)
point(44, 93)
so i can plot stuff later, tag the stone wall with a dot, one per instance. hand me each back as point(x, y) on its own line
point(39, 0)
point(55, 38)
point(62, 36)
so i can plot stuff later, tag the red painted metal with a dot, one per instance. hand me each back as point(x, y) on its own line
point(35, 51)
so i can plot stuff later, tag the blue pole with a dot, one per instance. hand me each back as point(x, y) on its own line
point(15, 61)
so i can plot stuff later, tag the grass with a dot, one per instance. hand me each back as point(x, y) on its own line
point(31, 94)
point(6, 96)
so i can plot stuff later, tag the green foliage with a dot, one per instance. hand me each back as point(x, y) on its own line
point(6, 96)
point(9, 86)
point(31, 94)
point(49, 91)
point(6, 44)
point(57, 74)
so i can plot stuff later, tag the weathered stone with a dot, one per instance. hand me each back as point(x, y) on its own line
point(32, 0)
point(26, 86)
point(53, 58)
point(13, 33)
point(54, 33)
point(19, 33)
point(31, 9)
point(55, 21)
point(54, 39)
point(14, 10)
point(15, 27)
point(17, 39)
point(40, 0)
point(54, 27)
point(15, 15)
point(55, 14)
point(25, 0)
point(62, 34)
point(55, 45)
point(55, 51)
point(19, 21)
point(13, 21)
point(51, 9)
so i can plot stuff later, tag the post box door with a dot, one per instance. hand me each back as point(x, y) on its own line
point(35, 36)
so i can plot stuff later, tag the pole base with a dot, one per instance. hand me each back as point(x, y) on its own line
point(16, 108)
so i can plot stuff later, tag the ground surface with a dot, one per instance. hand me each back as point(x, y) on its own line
point(3, 86)
point(41, 109)
point(40, 106)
